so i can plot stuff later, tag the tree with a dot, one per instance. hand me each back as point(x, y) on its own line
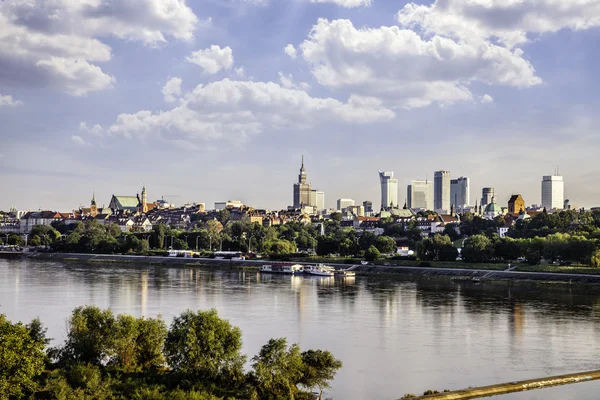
point(507, 249)
point(451, 230)
point(223, 216)
point(21, 359)
point(202, 345)
point(160, 232)
point(319, 367)
point(477, 248)
point(88, 337)
point(385, 244)
point(426, 250)
point(136, 343)
point(336, 216)
point(213, 228)
point(447, 252)
point(277, 369)
point(372, 254)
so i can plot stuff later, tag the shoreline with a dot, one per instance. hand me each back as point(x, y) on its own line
point(481, 275)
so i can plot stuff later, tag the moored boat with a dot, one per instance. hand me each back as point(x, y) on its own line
point(9, 252)
point(343, 272)
point(319, 270)
point(282, 269)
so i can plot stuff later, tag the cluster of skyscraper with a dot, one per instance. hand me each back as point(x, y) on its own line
point(442, 194)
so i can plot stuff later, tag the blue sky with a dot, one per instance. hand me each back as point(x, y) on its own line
point(212, 100)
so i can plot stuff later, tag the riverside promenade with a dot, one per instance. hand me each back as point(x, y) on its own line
point(513, 387)
point(480, 275)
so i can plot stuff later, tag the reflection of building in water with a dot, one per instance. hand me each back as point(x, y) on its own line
point(144, 293)
point(517, 320)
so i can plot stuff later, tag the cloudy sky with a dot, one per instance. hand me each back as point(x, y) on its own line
point(209, 100)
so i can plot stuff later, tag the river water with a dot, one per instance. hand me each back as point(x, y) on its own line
point(394, 335)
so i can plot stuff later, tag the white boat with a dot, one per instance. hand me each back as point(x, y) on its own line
point(342, 272)
point(319, 270)
point(282, 269)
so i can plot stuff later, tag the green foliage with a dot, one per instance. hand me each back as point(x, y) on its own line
point(21, 358)
point(278, 369)
point(319, 368)
point(202, 345)
point(477, 248)
point(385, 244)
point(336, 216)
point(372, 254)
point(439, 247)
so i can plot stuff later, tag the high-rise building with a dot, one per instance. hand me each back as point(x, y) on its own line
point(418, 194)
point(553, 192)
point(441, 191)
point(302, 190)
point(368, 205)
point(389, 190)
point(487, 194)
point(459, 193)
point(317, 200)
point(344, 203)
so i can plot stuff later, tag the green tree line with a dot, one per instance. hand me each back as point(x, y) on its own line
point(107, 356)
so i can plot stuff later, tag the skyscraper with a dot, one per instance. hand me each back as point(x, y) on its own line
point(317, 200)
point(368, 205)
point(344, 203)
point(487, 193)
point(418, 194)
point(553, 192)
point(389, 189)
point(441, 190)
point(302, 190)
point(459, 193)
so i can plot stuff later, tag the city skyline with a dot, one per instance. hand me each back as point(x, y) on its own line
point(218, 100)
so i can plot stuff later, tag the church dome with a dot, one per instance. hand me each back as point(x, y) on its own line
point(493, 208)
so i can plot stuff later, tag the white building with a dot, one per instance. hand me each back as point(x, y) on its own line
point(441, 191)
point(487, 193)
point(389, 189)
point(553, 192)
point(344, 203)
point(459, 193)
point(229, 203)
point(419, 194)
point(317, 200)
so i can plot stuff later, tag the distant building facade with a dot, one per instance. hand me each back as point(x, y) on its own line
point(368, 206)
point(302, 189)
point(317, 200)
point(459, 193)
point(487, 194)
point(441, 191)
point(553, 192)
point(389, 190)
point(419, 194)
point(342, 204)
point(516, 204)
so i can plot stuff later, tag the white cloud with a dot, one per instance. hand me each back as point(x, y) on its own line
point(172, 90)
point(213, 59)
point(57, 43)
point(404, 69)
point(7, 100)
point(240, 72)
point(510, 21)
point(346, 3)
point(96, 130)
point(79, 141)
point(235, 110)
point(290, 50)
point(287, 81)
point(486, 98)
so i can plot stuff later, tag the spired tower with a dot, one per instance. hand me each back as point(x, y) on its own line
point(302, 190)
point(93, 206)
point(144, 198)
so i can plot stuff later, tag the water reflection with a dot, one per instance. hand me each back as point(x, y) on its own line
point(394, 335)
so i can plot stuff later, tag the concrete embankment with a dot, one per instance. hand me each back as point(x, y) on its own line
point(469, 275)
point(512, 387)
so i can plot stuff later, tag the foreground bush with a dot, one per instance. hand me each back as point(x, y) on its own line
point(123, 357)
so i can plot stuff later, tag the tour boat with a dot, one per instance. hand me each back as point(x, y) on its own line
point(282, 269)
point(319, 270)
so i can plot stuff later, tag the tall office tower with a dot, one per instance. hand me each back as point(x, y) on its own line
point(389, 190)
point(441, 190)
point(344, 203)
point(459, 193)
point(368, 205)
point(317, 200)
point(553, 192)
point(302, 190)
point(487, 193)
point(418, 195)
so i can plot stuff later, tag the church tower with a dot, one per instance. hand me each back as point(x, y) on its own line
point(144, 200)
point(93, 206)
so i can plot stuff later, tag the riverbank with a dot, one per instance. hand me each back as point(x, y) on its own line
point(470, 276)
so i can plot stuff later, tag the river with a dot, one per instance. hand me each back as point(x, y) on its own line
point(394, 335)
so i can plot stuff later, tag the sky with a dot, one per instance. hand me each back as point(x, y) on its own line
point(214, 100)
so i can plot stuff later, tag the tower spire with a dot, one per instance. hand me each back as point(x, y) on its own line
point(303, 160)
